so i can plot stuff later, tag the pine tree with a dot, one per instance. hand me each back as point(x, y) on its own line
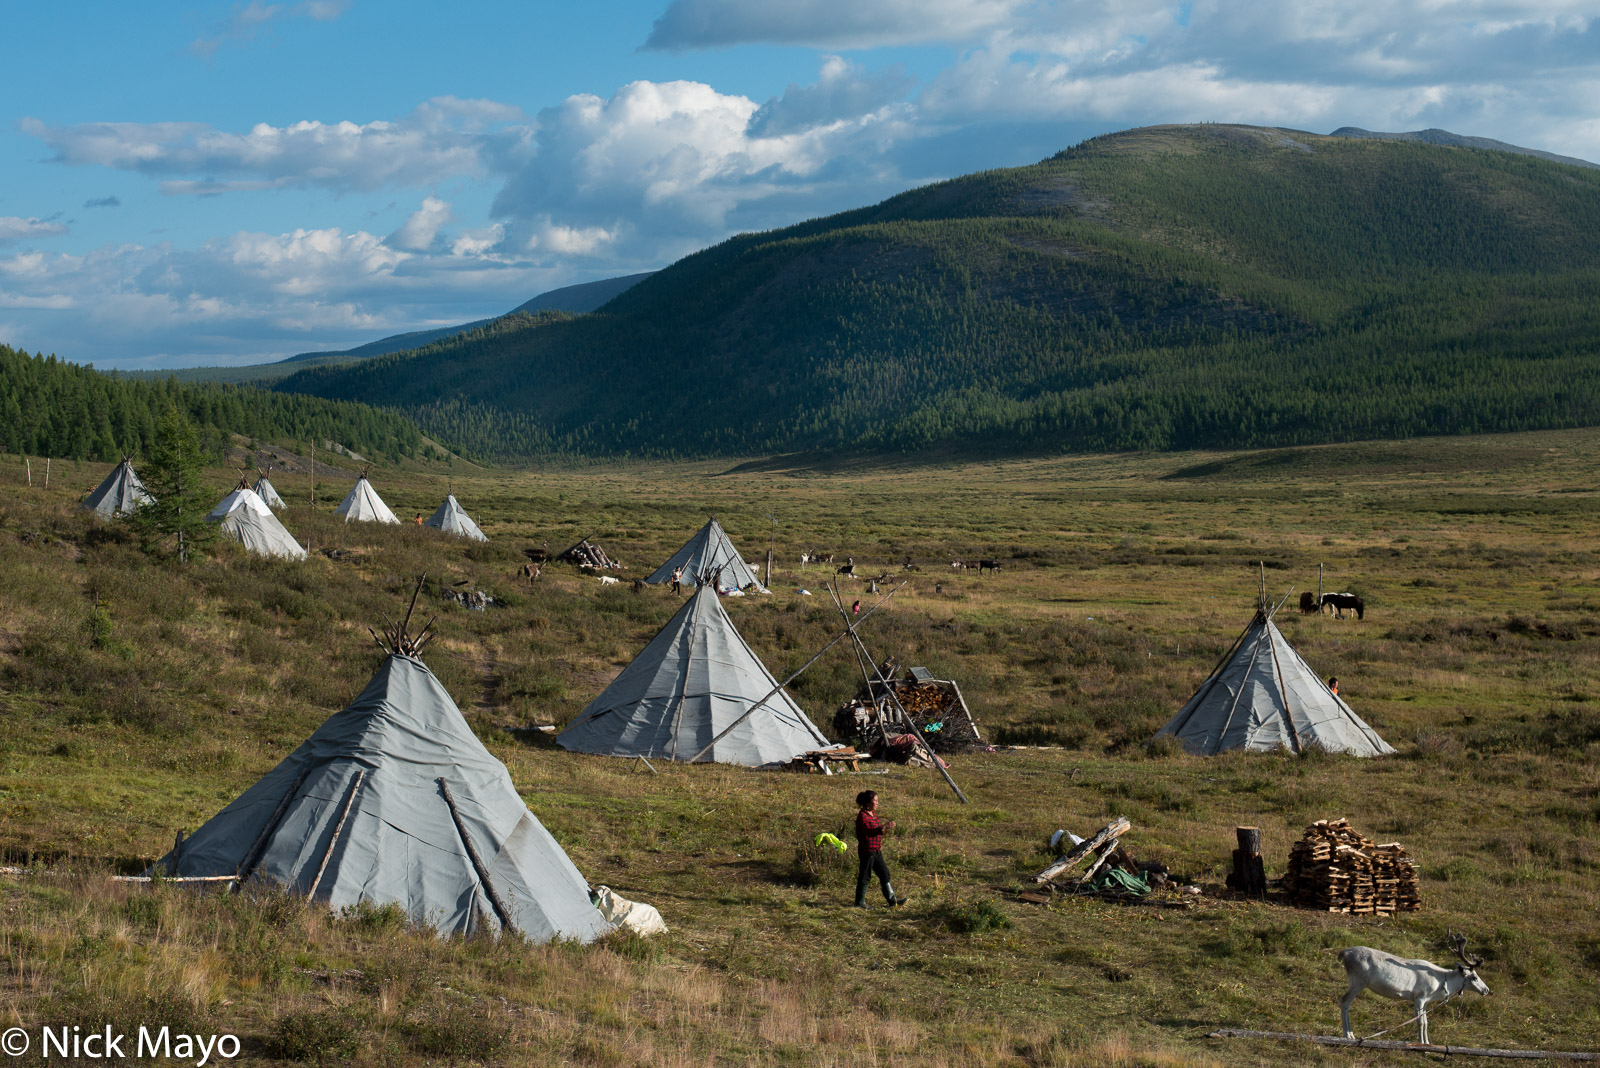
point(172, 475)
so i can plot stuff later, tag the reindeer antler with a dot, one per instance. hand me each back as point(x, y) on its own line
point(1458, 943)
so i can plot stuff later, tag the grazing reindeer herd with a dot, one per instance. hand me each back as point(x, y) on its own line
point(848, 568)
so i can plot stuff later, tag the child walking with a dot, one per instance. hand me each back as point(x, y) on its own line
point(869, 839)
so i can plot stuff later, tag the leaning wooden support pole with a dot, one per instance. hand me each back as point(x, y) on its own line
point(1411, 1047)
point(500, 910)
point(848, 632)
point(338, 829)
point(247, 866)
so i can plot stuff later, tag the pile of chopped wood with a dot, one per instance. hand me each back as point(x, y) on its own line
point(1337, 869)
point(587, 554)
point(934, 709)
point(820, 759)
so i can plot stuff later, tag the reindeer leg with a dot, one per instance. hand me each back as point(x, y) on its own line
point(1344, 1010)
point(1422, 1021)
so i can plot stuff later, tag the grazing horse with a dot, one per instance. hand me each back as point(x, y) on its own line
point(1341, 601)
point(991, 565)
point(1308, 604)
point(958, 565)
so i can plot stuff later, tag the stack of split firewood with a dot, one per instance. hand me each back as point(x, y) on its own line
point(821, 759)
point(1336, 869)
point(934, 708)
point(587, 554)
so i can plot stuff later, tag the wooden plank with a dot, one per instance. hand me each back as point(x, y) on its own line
point(1410, 1047)
point(1110, 832)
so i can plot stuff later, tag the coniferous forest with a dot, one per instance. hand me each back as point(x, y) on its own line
point(1164, 288)
point(49, 407)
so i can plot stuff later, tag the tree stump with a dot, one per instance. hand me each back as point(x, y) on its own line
point(1249, 875)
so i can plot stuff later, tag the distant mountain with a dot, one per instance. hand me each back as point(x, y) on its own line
point(1159, 288)
point(1445, 137)
point(584, 297)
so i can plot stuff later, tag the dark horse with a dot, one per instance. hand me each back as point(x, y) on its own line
point(1341, 601)
point(1308, 604)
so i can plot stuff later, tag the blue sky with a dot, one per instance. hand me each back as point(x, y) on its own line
point(237, 182)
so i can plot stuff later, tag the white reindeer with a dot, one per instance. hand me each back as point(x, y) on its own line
point(1416, 981)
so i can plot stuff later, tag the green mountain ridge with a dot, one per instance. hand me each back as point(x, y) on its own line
point(1166, 287)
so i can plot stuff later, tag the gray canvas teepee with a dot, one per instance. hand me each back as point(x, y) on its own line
point(363, 503)
point(1262, 696)
point(267, 493)
point(453, 519)
point(245, 517)
point(694, 679)
point(120, 494)
point(708, 550)
point(395, 801)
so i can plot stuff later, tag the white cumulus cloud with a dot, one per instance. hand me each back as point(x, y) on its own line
point(422, 226)
point(444, 138)
point(14, 229)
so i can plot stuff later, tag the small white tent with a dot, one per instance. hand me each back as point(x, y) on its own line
point(708, 551)
point(247, 519)
point(363, 503)
point(695, 679)
point(266, 492)
point(453, 519)
point(1262, 697)
point(120, 494)
point(395, 801)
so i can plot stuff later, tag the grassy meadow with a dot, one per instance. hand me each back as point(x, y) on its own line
point(1125, 578)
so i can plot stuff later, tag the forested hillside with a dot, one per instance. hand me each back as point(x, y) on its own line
point(49, 407)
point(1170, 287)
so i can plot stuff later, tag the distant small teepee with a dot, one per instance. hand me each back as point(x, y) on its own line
point(120, 494)
point(453, 519)
point(1263, 696)
point(709, 552)
point(266, 492)
point(363, 503)
point(245, 517)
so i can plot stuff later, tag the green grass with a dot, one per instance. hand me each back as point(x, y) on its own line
point(1479, 659)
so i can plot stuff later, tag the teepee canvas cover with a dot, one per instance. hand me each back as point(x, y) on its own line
point(709, 548)
point(453, 519)
point(120, 493)
point(363, 503)
point(395, 801)
point(694, 679)
point(1264, 697)
point(246, 518)
point(265, 491)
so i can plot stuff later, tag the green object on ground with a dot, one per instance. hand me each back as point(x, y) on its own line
point(830, 839)
point(1117, 881)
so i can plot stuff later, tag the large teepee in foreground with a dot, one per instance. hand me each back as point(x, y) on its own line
point(691, 682)
point(364, 504)
point(453, 519)
point(120, 494)
point(245, 517)
point(395, 801)
point(1262, 696)
point(709, 551)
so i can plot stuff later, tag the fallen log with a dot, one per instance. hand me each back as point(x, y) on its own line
point(1410, 1047)
point(1109, 833)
